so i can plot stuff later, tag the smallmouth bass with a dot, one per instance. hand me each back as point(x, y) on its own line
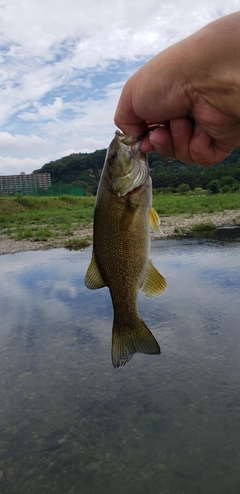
point(121, 245)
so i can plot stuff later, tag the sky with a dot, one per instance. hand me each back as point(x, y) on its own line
point(65, 62)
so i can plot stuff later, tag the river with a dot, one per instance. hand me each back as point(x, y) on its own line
point(70, 423)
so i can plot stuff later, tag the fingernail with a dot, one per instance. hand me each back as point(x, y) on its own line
point(152, 140)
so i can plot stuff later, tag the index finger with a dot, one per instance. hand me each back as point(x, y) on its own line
point(125, 117)
point(129, 123)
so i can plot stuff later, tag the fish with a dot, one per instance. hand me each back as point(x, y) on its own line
point(120, 259)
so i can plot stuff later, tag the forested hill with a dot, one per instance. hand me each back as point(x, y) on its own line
point(84, 169)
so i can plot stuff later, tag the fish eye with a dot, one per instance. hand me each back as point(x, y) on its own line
point(112, 156)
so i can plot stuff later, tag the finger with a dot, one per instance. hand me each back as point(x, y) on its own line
point(135, 129)
point(125, 117)
point(181, 132)
point(161, 142)
point(203, 150)
point(146, 145)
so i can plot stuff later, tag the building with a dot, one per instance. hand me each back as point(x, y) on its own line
point(24, 184)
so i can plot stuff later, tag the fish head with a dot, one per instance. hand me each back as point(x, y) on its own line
point(127, 165)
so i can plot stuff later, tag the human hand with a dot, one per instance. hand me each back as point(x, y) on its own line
point(194, 87)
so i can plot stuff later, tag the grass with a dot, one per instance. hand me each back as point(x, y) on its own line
point(172, 204)
point(203, 227)
point(78, 243)
point(26, 233)
point(40, 218)
point(35, 234)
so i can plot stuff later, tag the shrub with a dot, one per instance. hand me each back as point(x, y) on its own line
point(225, 189)
point(183, 188)
point(214, 187)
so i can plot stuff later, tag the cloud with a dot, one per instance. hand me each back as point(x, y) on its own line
point(63, 65)
point(44, 112)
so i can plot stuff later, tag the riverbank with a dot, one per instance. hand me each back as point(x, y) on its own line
point(171, 226)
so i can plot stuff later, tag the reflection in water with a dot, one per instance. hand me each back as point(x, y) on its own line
point(72, 424)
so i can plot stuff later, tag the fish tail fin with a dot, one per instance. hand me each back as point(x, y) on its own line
point(127, 341)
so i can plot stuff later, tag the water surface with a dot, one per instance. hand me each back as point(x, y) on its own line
point(167, 424)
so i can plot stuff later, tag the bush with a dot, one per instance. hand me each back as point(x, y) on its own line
point(225, 189)
point(235, 186)
point(214, 187)
point(183, 188)
point(228, 180)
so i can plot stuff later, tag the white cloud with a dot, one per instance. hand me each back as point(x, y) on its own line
point(44, 112)
point(63, 65)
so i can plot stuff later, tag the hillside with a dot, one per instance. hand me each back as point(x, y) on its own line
point(84, 169)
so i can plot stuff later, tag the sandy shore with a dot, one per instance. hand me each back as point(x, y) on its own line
point(171, 226)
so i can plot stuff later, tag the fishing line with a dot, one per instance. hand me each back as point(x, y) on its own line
point(51, 19)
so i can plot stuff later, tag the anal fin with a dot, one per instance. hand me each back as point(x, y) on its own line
point(154, 283)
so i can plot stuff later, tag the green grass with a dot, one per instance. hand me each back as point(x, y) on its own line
point(26, 233)
point(203, 227)
point(44, 233)
point(35, 234)
point(78, 243)
point(40, 218)
point(172, 204)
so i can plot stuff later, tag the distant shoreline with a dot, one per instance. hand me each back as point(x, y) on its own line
point(171, 227)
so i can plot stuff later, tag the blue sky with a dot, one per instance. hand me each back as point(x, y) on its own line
point(64, 63)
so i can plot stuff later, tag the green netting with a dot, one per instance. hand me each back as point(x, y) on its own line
point(60, 189)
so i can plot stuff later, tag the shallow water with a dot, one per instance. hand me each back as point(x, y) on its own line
point(167, 424)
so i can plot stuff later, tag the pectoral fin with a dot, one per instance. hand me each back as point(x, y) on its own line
point(154, 221)
point(154, 283)
point(93, 278)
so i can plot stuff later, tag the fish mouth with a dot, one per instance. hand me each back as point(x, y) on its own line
point(128, 140)
point(139, 171)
